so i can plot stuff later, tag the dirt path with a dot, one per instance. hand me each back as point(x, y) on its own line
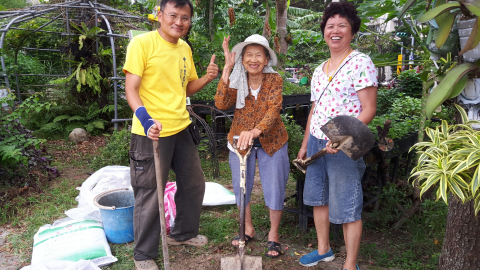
point(8, 261)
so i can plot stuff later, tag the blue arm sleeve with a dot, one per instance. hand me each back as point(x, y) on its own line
point(144, 118)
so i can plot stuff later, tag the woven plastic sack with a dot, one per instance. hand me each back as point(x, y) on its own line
point(73, 240)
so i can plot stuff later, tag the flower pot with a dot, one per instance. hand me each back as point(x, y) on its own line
point(465, 27)
point(296, 99)
point(469, 99)
point(471, 93)
point(3, 94)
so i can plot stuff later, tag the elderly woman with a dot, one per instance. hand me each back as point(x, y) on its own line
point(256, 90)
point(346, 84)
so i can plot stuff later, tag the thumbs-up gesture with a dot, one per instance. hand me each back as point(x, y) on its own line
point(212, 69)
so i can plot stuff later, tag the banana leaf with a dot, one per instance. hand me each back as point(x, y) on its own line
point(407, 5)
point(473, 8)
point(458, 88)
point(446, 86)
point(444, 29)
point(431, 14)
point(439, 19)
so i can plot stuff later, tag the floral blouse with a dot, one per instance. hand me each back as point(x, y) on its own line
point(340, 96)
point(262, 113)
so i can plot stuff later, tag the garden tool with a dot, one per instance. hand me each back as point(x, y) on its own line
point(241, 261)
point(346, 133)
point(161, 207)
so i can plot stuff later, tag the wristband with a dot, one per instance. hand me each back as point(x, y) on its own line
point(145, 119)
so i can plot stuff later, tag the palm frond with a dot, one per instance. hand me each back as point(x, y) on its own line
point(296, 11)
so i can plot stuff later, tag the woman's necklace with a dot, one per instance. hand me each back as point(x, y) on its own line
point(328, 64)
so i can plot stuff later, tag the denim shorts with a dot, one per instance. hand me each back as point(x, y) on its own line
point(273, 175)
point(334, 180)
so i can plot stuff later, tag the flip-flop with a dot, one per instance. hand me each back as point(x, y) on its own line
point(248, 238)
point(274, 246)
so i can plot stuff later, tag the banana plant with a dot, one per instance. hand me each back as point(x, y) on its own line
point(450, 161)
point(451, 85)
point(445, 14)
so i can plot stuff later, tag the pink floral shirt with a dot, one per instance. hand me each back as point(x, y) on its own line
point(340, 97)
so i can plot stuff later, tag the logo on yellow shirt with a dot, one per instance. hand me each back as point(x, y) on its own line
point(183, 72)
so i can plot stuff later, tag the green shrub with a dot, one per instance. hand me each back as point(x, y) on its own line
point(405, 106)
point(404, 112)
point(20, 151)
point(294, 89)
point(207, 93)
point(399, 127)
point(295, 138)
point(13, 4)
point(410, 83)
point(384, 99)
point(115, 152)
point(25, 65)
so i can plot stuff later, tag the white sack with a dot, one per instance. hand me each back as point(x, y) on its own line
point(107, 178)
point(72, 240)
point(216, 194)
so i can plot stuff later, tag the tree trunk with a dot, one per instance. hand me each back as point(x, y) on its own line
point(267, 18)
point(282, 24)
point(461, 247)
point(210, 20)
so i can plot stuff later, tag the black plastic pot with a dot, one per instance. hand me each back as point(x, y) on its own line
point(292, 100)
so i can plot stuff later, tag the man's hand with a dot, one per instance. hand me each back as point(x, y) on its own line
point(212, 70)
point(154, 131)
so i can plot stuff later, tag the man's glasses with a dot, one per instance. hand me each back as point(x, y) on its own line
point(173, 17)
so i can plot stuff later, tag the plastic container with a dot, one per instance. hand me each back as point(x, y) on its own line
point(4, 93)
point(116, 209)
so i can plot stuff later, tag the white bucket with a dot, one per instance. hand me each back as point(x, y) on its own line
point(3, 93)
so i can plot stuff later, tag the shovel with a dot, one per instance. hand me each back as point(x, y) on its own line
point(161, 207)
point(241, 261)
point(346, 133)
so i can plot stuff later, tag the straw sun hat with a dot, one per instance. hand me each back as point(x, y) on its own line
point(255, 39)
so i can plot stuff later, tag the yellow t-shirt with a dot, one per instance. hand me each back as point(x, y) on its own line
point(166, 69)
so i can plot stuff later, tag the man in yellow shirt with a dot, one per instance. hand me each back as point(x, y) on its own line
point(160, 74)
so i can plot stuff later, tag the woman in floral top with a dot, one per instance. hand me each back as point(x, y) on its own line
point(346, 84)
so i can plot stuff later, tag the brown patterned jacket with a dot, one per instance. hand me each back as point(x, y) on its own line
point(264, 113)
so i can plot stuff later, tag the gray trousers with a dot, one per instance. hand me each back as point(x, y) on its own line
point(179, 153)
point(273, 175)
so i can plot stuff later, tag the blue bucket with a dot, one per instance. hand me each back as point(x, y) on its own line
point(116, 208)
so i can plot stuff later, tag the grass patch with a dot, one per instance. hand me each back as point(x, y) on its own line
point(219, 223)
point(37, 210)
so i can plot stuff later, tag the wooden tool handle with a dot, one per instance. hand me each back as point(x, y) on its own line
point(315, 156)
point(161, 207)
